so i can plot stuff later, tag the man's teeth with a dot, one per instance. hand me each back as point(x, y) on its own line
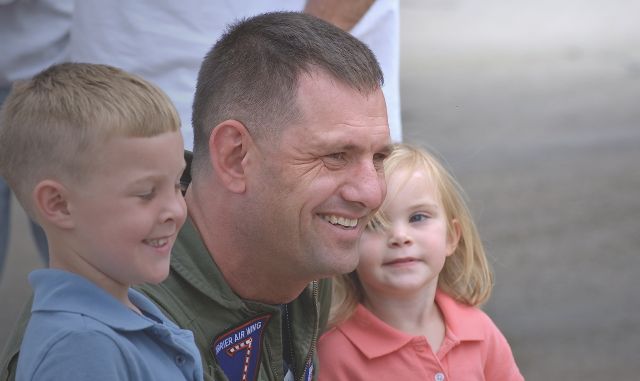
point(346, 222)
point(157, 242)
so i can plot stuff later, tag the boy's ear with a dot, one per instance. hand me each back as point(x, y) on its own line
point(228, 146)
point(453, 236)
point(51, 203)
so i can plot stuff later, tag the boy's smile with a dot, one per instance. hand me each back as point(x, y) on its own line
point(127, 213)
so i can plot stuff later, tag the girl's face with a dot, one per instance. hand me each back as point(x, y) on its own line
point(407, 256)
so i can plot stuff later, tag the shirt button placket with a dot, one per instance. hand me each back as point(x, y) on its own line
point(180, 360)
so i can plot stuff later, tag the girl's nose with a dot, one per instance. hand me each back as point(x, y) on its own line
point(399, 238)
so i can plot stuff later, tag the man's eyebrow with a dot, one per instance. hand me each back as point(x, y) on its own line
point(387, 149)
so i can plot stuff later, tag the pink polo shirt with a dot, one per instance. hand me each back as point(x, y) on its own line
point(366, 348)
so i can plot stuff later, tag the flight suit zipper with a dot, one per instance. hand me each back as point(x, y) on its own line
point(316, 327)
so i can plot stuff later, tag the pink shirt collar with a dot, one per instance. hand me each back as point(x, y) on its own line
point(375, 338)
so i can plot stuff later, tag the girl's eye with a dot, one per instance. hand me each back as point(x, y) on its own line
point(418, 217)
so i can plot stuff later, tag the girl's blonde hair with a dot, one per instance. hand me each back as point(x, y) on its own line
point(466, 275)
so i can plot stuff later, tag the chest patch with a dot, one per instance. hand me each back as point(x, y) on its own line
point(238, 350)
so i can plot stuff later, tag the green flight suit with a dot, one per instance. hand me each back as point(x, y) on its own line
point(196, 297)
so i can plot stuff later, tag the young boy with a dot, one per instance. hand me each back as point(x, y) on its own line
point(95, 156)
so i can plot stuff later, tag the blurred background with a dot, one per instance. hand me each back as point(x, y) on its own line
point(535, 107)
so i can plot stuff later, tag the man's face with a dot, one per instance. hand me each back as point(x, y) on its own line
point(315, 190)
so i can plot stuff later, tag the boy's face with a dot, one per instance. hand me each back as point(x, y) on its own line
point(128, 210)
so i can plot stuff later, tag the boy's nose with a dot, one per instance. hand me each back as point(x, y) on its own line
point(175, 209)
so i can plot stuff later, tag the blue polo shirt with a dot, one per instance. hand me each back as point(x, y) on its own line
point(77, 331)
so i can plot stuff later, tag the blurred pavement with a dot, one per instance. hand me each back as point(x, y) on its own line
point(535, 105)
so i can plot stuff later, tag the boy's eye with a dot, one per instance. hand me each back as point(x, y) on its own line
point(147, 195)
point(418, 217)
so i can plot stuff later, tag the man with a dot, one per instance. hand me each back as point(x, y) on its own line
point(290, 133)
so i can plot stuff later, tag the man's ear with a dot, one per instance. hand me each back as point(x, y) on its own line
point(453, 237)
point(52, 205)
point(228, 145)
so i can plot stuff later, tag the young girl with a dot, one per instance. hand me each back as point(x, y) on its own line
point(410, 310)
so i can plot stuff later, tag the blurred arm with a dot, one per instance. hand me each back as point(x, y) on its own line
point(344, 14)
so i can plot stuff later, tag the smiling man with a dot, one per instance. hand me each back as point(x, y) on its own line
point(291, 132)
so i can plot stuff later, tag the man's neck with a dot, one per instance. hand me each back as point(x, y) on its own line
point(245, 274)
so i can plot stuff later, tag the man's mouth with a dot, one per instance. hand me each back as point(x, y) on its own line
point(348, 223)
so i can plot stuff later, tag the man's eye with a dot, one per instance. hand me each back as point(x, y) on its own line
point(378, 160)
point(335, 160)
point(337, 156)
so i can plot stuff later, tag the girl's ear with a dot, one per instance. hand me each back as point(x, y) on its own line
point(228, 146)
point(51, 203)
point(453, 236)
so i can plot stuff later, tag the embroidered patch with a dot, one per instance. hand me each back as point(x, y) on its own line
point(238, 350)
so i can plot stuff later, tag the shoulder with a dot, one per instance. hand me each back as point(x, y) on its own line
point(63, 330)
point(473, 326)
point(73, 354)
point(337, 356)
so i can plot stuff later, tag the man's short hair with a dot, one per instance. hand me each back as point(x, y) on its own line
point(51, 124)
point(251, 74)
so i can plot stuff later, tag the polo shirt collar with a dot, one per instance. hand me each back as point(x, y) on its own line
point(372, 336)
point(375, 338)
point(61, 291)
point(461, 320)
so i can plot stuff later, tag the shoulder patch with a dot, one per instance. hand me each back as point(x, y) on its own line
point(238, 350)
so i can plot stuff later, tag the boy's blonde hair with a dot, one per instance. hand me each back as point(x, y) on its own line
point(466, 275)
point(51, 124)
